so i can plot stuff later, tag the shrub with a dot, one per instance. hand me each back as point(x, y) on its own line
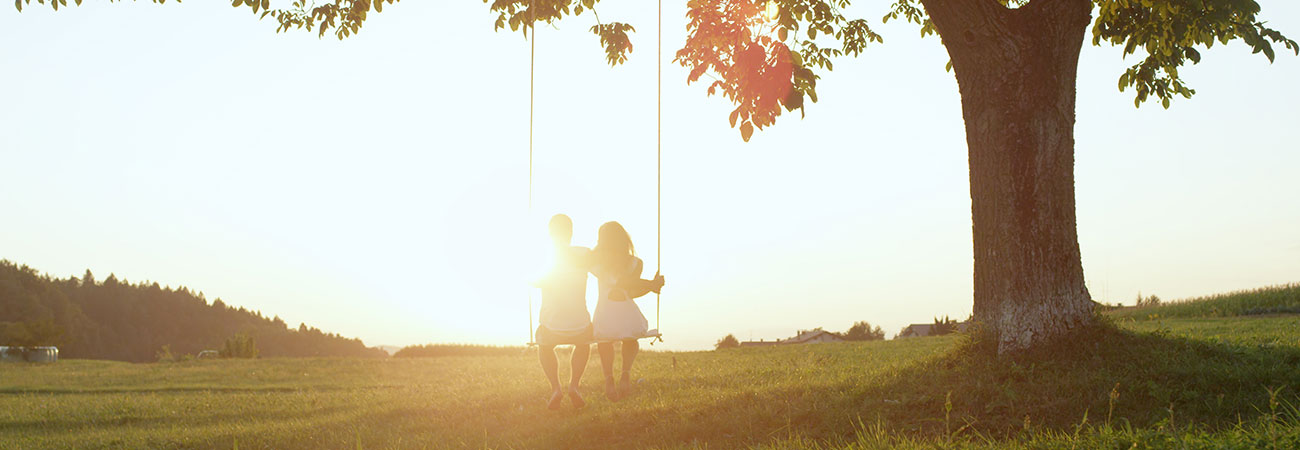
point(943, 326)
point(728, 341)
point(165, 354)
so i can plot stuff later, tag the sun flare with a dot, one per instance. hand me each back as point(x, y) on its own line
point(771, 11)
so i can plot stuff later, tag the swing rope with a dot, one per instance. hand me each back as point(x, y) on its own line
point(659, 160)
point(532, 59)
point(659, 163)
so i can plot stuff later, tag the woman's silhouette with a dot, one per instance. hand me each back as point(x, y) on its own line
point(617, 318)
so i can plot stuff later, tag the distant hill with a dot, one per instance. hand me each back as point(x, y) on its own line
point(1280, 299)
point(122, 321)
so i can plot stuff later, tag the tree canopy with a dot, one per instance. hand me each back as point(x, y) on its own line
point(766, 56)
point(863, 331)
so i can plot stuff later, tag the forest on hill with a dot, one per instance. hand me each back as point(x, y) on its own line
point(115, 319)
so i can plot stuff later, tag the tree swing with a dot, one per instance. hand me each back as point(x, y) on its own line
point(653, 334)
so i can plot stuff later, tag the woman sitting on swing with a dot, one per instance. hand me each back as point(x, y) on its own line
point(617, 318)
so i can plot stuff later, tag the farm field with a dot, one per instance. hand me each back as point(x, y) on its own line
point(1189, 382)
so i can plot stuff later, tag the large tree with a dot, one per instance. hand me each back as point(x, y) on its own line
point(1015, 62)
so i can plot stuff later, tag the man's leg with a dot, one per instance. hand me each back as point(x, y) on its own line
point(546, 354)
point(578, 364)
point(606, 350)
point(630, 349)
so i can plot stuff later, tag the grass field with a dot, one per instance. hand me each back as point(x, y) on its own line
point(1190, 382)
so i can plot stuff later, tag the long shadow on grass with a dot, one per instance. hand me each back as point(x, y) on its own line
point(1101, 373)
point(62, 425)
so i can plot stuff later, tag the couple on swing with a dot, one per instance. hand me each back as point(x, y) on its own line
point(564, 316)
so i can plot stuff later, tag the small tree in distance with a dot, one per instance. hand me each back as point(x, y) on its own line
point(727, 342)
point(1147, 301)
point(863, 331)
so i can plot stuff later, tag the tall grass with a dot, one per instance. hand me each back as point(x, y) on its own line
point(1280, 299)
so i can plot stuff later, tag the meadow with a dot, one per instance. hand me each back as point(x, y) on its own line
point(1150, 380)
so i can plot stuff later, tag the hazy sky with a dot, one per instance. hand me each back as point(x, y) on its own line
point(377, 187)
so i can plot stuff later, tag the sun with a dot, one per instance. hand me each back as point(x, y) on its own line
point(771, 11)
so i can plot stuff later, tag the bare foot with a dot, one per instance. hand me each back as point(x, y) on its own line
point(611, 392)
point(557, 399)
point(624, 387)
point(576, 398)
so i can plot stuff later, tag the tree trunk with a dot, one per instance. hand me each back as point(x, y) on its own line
point(1016, 70)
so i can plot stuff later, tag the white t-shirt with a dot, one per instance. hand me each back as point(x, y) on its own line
point(564, 292)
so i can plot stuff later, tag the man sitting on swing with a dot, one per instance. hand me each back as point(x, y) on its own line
point(564, 316)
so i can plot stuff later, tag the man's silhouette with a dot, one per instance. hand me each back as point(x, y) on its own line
point(564, 316)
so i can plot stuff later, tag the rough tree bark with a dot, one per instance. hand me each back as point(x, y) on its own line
point(1016, 71)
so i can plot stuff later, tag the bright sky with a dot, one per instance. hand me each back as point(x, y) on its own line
point(377, 187)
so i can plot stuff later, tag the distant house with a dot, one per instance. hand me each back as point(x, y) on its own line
point(916, 330)
point(759, 343)
point(813, 337)
point(926, 329)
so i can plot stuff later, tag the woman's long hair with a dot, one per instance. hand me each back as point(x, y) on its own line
point(613, 246)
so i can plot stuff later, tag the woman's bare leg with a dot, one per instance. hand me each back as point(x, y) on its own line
point(630, 349)
point(606, 350)
point(546, 354)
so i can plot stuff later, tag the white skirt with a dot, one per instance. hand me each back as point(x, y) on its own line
point(618, 320)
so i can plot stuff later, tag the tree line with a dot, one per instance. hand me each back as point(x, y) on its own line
point(118, 320)
point(440, 350)
point(860, 331)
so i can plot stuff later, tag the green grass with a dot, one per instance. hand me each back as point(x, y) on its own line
point(1204, 382)
point(494, 401)
point(1278, 330)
